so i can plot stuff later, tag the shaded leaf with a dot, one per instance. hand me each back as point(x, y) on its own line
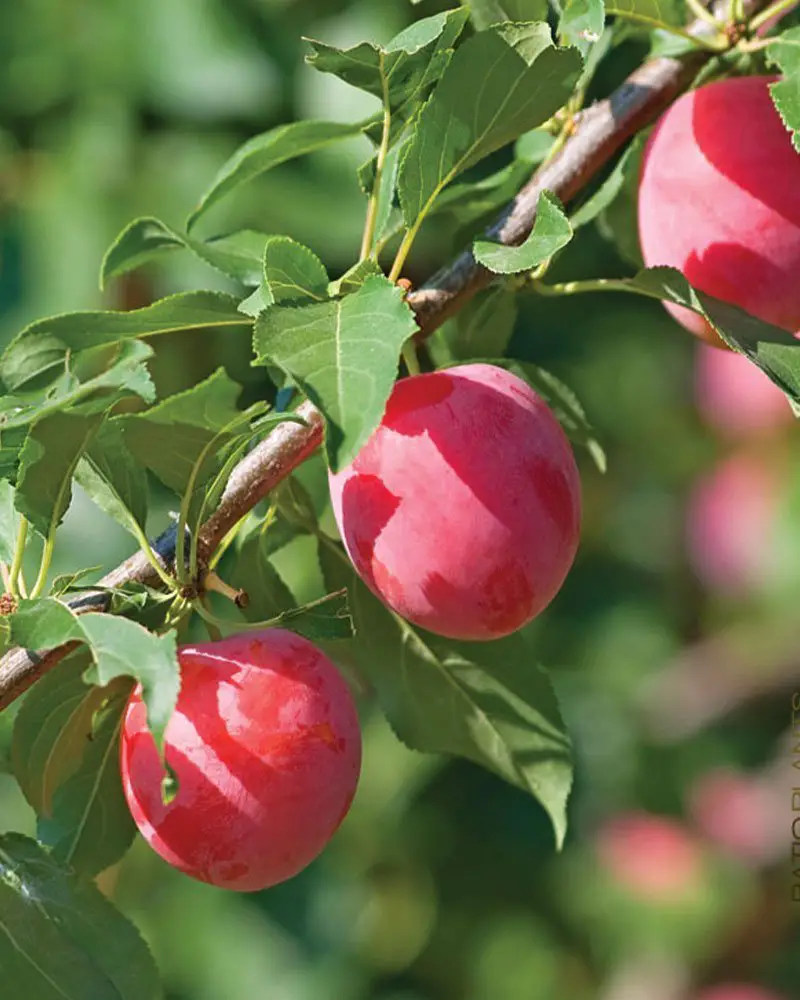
point(487, 701)
point(292, 272)
point(551, 231)
point(62, 939)
point(9, 522)
point(47, 462)
point(484, 327)
point(52, 730)
point(113, 480)
point(91, 826)
point(268, 150)
point(254, 573)
point(343, 354)
point(327, 618)
point(523, 79)
point(611, 187)
point(354, 277)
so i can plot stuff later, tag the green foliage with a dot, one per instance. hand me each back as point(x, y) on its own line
point(343, 355)
point(61, 938)
point(489, 702)
point(784, 52)
point(551, 232)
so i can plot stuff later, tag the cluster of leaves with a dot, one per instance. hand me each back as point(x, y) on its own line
point(80, 406)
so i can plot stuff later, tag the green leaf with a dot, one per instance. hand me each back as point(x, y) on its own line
point(565, 406)
point(523, 79)
point(653, 12)
point(47, 463)
point(237, 255)
point(53, 728)
point(65, 582)
point(775, 351)
point(10, 447)
point(784, 51)
point(551, 231)
point(113, 479)
point(581, 22)
point(119, 648)
point(125, 374)
point(254, 573)
point(292, 272)
point(122, 648)
point(400, 72)
point(487, 701)
point(91, 826)
point(268, 150)
point(61, 938)
point(534, 146)
point(9, 522)
point(343, 354)
point(354, 277)
point(485, 13)
point(48, 343)
point(327, 618)
point(171, 436)
point(611, 187)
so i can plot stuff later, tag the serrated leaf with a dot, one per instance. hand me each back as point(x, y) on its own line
point(268, 150)
point(611, 187)
point(119, 648)
point(485, 13)
point(292, 272)
point(90, 826)
point(9, 522)
point(52, 730)
point(125, 374)
point(10, 447)
point(487, 701)
point(61, 938)
point(775, 351)
point(784, 51)
point(581, 22)
point(122, 648)
point(237, 255)
point(343, 354)
point(65, 582)
point(354, 277)
point(522, 80)
point(48, 343)
point(551, 231)
point(113, 480)
point(171, 436)
point(47, 462)
point(397, 73)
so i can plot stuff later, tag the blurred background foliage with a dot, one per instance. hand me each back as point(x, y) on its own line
point(673, 644)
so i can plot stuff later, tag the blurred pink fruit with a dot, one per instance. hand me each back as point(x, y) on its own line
point(735, 397)
point(730, 520)
point(651, 856)
point(734, 811)
point(737, 991)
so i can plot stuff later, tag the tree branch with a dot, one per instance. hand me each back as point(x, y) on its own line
point(600, 131)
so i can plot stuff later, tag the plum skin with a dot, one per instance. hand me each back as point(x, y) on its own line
point(266, 747)
point(462, 511)
point(723, 209)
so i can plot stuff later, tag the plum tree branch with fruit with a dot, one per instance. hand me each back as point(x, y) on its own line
point(453, 490)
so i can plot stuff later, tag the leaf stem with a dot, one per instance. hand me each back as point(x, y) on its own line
point(405, 248)
point(712, 45)
point(151, 556)
point(772, 11)
point(410, 357)
point(578, 287)
point(44, 565)
point(372, 206)
point(16, 581)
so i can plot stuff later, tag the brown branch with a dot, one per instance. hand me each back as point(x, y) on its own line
point(600, 131)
